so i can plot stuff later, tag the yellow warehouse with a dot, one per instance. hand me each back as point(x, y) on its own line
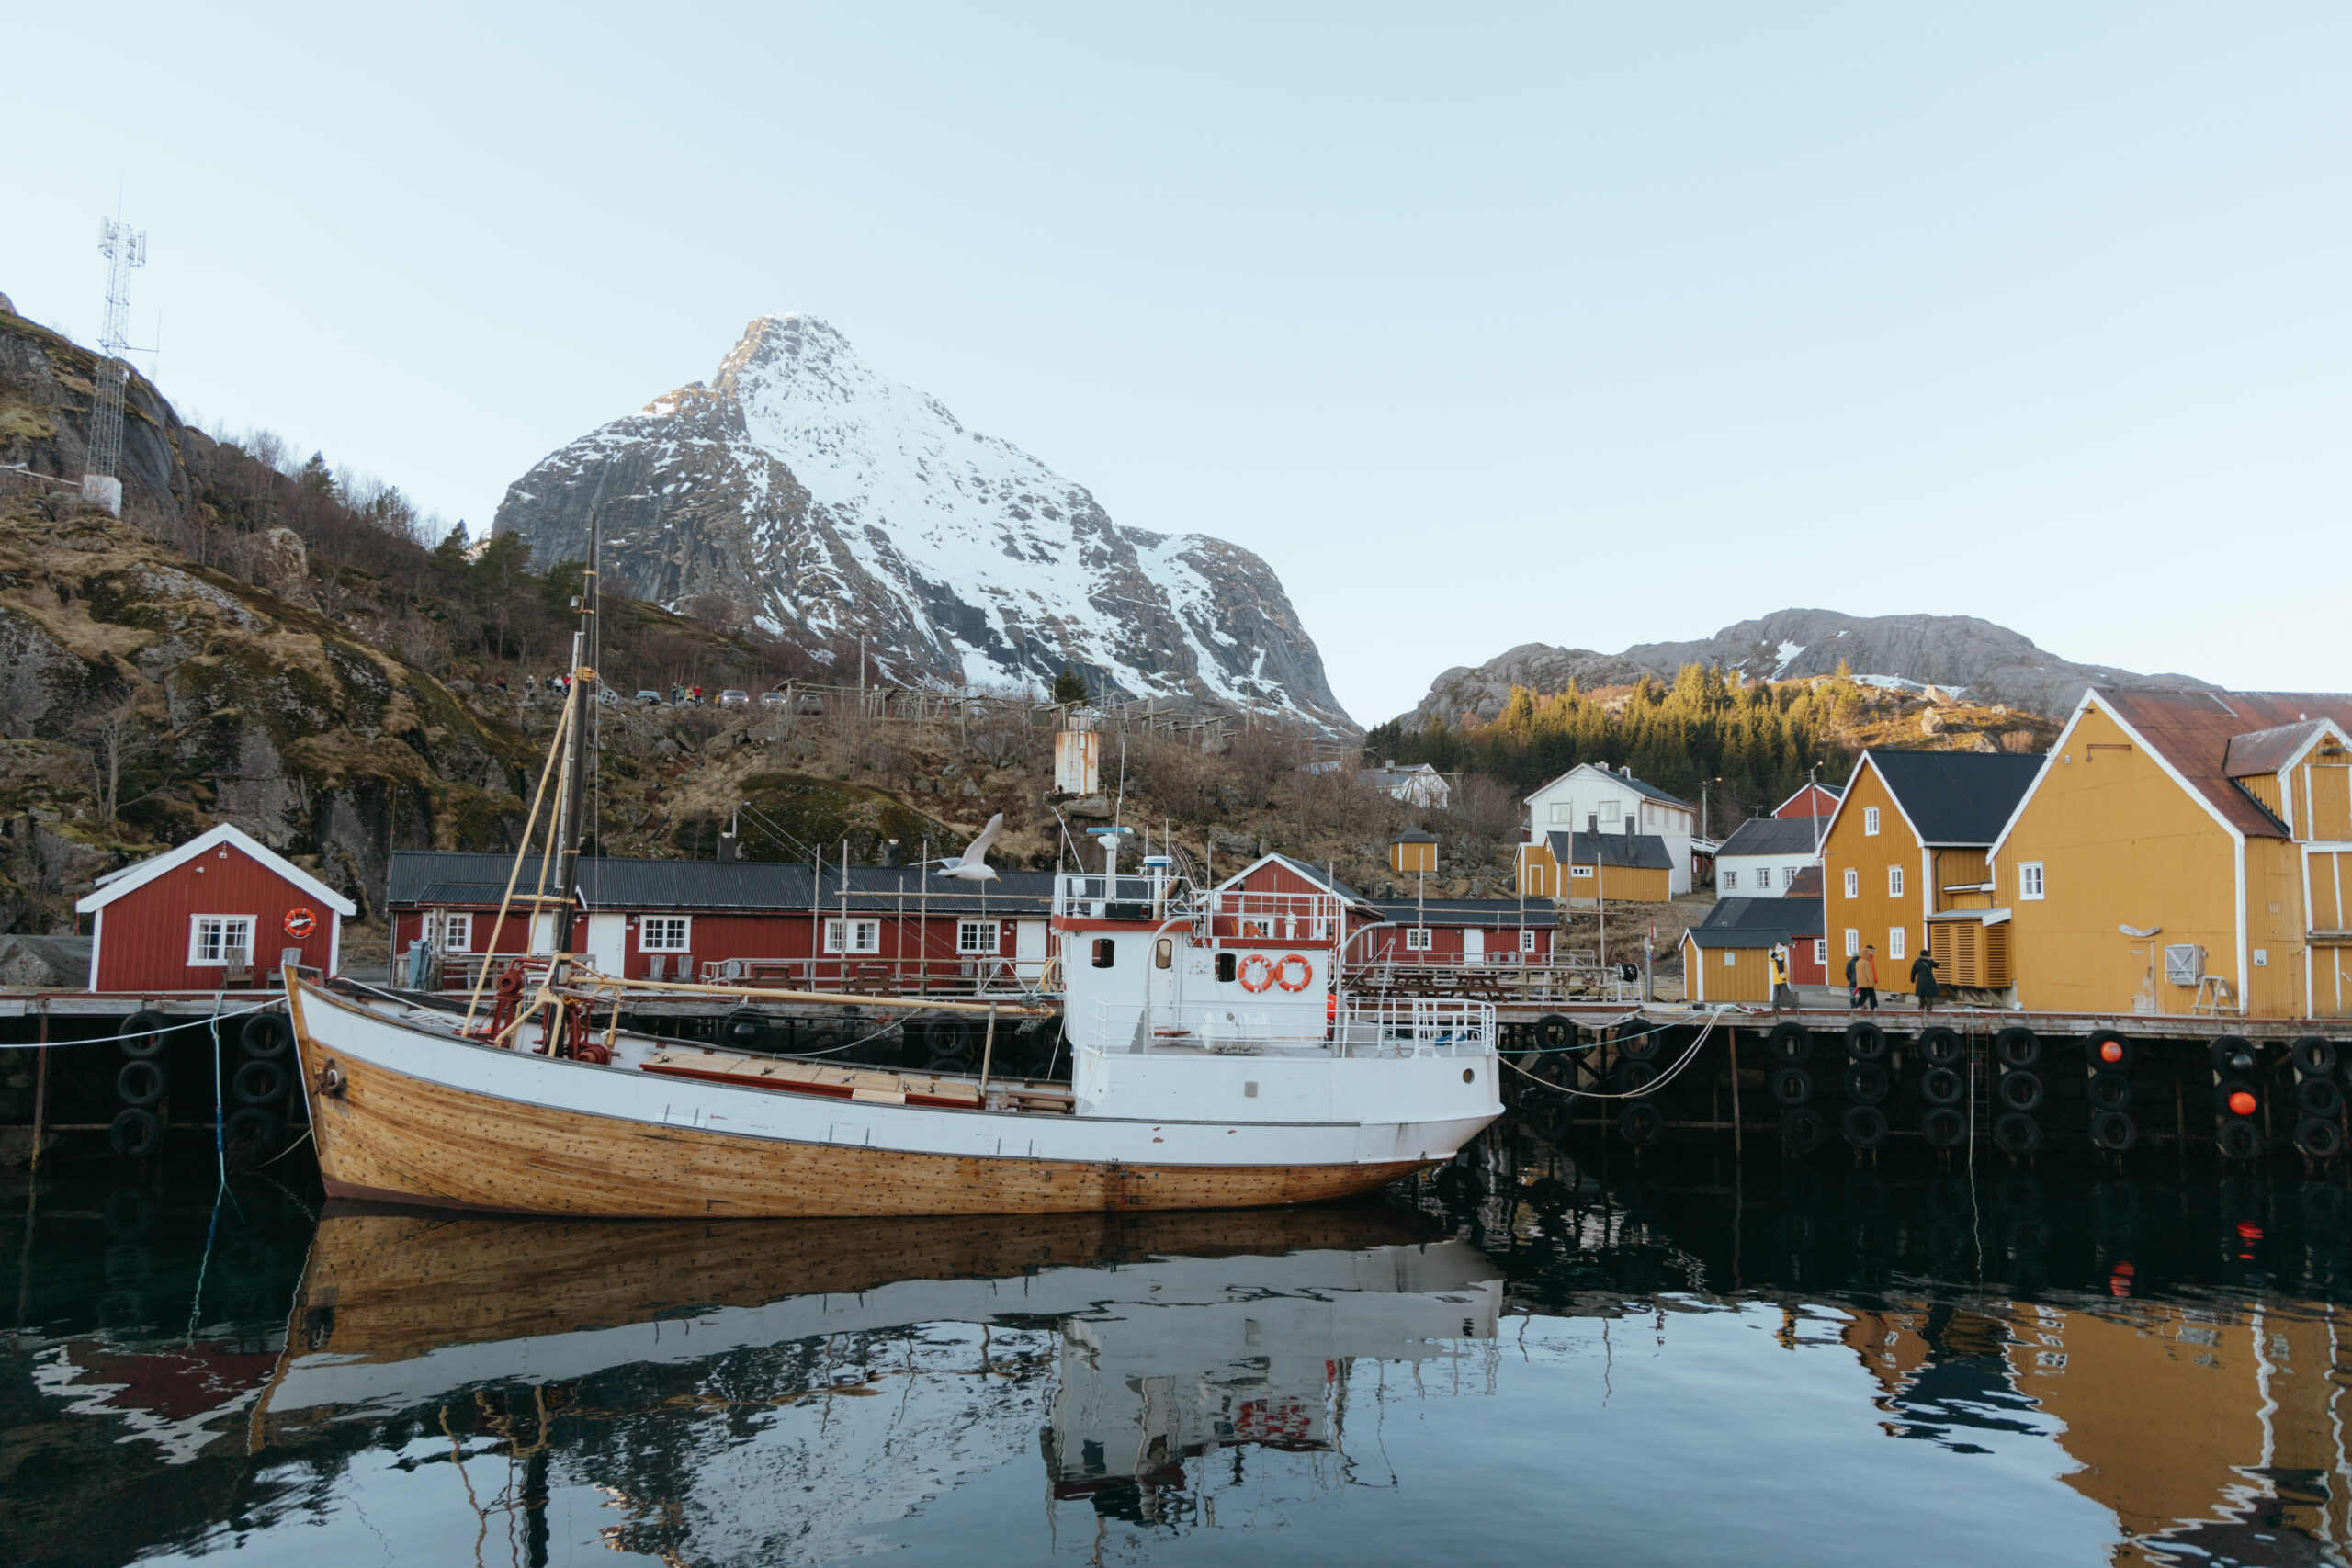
point(2186, 852)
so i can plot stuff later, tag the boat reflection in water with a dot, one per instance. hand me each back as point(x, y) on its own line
point(750, 1388)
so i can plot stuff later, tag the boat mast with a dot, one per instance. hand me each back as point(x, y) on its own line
point(571, 825)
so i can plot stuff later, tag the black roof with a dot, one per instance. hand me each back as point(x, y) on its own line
point(1414, 836)
point(1644, 851)
point(1956, 797)
point(425, 878)
point(1465, 912)
point(1774, 836)
point(1757, 922)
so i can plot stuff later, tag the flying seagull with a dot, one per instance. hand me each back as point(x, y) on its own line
point(973, 865)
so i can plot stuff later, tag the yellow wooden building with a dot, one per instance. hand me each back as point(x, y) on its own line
point(1727, 957)
point(1413, 853)
point(1616, 868)
point(1904, 863)
point(2184, 852)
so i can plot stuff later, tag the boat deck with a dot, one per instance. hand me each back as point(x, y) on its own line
point(872, 1086)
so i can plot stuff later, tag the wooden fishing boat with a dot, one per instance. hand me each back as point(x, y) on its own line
point(1215, 1064)
point(406, 1106)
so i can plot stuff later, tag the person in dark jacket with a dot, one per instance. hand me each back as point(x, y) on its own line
point(1852, 996)
point(1865, 971)
point(1923, 982)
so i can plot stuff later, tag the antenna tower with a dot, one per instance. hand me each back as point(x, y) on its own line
point(124, 248)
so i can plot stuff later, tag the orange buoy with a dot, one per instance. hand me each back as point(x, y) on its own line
point(2241, 1103)
point(2111, 1052)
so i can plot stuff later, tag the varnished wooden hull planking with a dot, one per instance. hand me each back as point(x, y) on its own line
point(391, 1136)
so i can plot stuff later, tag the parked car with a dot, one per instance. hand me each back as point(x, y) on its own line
point(772, 699)
point(650, 698)
point(731, 698)
point(810, 702)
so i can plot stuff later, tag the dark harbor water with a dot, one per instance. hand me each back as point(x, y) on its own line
point(1612, 1363)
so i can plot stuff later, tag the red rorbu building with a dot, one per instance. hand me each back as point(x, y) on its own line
point(772, 922)
point(1812, 800)
point(1458, 931)
point(219, 910)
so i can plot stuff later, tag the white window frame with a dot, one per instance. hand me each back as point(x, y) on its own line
point(457, 921)
point(1416, 939)
point(1731, 958)
point(1612, 811)
point(214, 954)
point(1821, 951)
point(1869, 821)
point(1853, 884)
point(1731, 879)
point(1763, 877)
point(1897, 939)
point(1853, 942)
point(1580, 871)
point(2030, 882)
point(853, 935)
point(977, 939)
point(665, 933)
point(1894, 882)
point(1527, 941)
point(1790, 877)
point(1564, 811)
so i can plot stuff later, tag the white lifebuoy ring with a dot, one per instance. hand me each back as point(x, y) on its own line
point(1265, 972)
point(1305, 972)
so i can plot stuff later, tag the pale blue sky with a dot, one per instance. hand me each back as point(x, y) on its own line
point(1578, 324)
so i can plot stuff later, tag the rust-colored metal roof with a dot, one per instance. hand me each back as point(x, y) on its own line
point(2193, 731)
point(2267, 750)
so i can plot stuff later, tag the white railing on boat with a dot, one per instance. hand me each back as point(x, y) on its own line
point(1385, 1026)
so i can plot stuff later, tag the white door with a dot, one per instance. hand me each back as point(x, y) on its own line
point(1474, 947)
point(1029, 949)
point(542, 933)
point(608, 942)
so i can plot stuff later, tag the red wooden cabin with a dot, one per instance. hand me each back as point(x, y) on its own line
point(1458, 931)
point(200, 917)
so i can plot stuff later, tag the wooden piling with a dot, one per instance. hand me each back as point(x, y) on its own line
point(1731, 1049)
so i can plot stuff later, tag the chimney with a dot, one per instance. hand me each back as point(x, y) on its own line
point(726, 846)
point(891, 860)
point(1592, 823)
point(1628, 827)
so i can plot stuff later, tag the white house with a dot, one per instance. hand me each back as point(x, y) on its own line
point(1763, 857)
point(1594, 797)
point(1419, 784)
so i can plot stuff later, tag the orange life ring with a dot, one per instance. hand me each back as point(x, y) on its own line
point(1305, 972)
point(1264, 976)
point(301, 922)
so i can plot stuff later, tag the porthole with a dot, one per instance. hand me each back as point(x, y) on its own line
point(1469, 1075)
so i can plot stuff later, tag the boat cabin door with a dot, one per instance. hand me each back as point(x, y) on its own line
point(1162, 962)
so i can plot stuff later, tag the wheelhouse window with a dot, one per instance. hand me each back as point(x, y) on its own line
point(852, 936)
point(2030, 879)
point(219, 939)
point(663, 933)
point(1416, 939)
point(1106, 952)
point(975, 937)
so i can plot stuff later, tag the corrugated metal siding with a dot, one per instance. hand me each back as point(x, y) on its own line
point(145, 936)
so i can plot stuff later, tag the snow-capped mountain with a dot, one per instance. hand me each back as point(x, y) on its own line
point(831, 503)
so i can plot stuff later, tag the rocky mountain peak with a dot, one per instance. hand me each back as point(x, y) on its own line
point(834, 504)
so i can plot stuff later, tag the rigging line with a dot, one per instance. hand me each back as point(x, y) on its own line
point(1644, 1091)
point(142, 1034)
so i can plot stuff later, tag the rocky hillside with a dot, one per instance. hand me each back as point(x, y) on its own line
point(833, 503)
point(1987, 664)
